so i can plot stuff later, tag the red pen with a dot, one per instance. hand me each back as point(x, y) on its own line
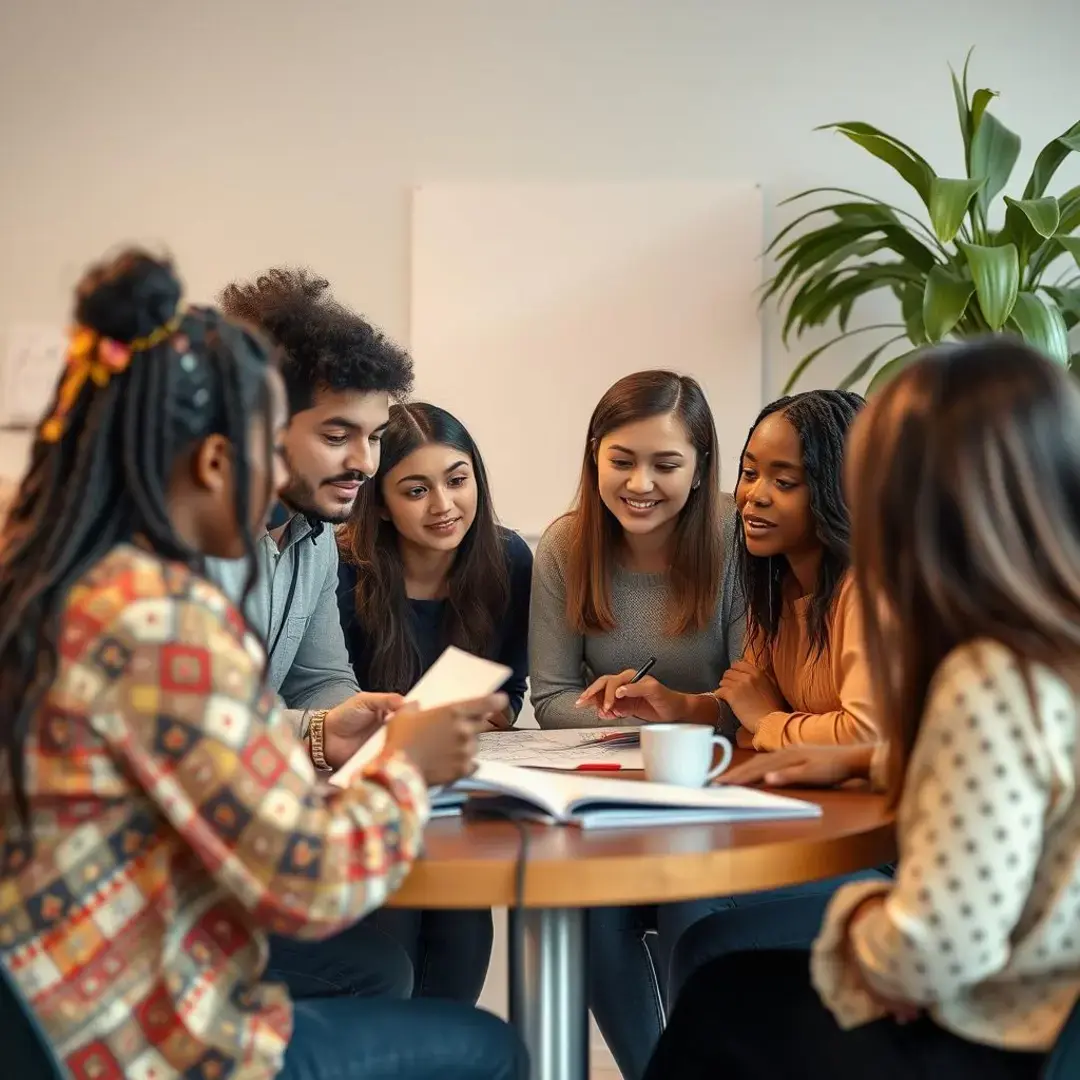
point(606, 766)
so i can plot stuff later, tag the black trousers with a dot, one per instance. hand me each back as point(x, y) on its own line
point(755, 1016)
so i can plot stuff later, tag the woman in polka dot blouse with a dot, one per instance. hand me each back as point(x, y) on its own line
point(964, 481)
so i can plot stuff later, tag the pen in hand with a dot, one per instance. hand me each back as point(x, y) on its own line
point(601, 685)
point(643, 670)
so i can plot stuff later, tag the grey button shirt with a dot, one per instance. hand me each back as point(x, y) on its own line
point(294, 606)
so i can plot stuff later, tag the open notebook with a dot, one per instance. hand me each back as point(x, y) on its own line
point(605, 803)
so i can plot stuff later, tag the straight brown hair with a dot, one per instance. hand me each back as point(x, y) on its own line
point(965, 522)
point(697, 565)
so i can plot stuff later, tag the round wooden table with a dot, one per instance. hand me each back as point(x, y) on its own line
point(473, 864)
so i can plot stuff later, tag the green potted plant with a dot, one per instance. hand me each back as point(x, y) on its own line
point(965, 271)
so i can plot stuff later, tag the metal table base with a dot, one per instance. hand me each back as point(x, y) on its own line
point(549, 1002)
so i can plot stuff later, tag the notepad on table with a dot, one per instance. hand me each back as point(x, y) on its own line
point(604, 803)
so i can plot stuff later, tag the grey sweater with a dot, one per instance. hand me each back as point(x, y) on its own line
point(562, 662)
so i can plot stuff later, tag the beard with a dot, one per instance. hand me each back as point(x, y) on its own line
point(301, 496)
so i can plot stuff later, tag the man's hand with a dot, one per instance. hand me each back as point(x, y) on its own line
point(751, 694)
point(349, 725)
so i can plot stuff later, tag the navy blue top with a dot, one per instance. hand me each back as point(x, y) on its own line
point(512, 636)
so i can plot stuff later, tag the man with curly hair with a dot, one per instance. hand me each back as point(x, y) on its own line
point(340, 375)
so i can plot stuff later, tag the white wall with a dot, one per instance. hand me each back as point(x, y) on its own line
point(244, 133)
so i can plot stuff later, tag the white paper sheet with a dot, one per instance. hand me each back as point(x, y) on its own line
point(455, 676)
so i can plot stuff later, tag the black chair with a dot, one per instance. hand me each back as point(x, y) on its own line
point(1064, 1062)
point(27, 1053)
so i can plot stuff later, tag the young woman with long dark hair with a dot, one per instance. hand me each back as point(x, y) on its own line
point(424, 565)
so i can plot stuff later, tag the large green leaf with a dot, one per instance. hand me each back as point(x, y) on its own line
point(994, 150)
point(944, 302)
point(911, 302)
point(963, 115)
point(1044, 214)
point(996, 273)
point(1050, 157)
point(1041, 325)
point(889, 371)
point(811, 356)
point(1067, 298)
point(910, 165)
point(1072, 245)
point(979, 101)
point(948, 204)
point(1051, 247)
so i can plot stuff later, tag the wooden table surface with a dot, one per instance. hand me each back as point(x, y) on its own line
point(472, 863)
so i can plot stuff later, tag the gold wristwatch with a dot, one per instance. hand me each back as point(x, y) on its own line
point(316, 743)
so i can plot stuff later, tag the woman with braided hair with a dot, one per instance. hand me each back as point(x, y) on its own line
point(159, 817)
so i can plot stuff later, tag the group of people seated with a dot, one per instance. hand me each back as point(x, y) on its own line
point(234, 518)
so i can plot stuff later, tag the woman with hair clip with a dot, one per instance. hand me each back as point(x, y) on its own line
point(964, 479)
point(158, 815)
point(637, 570)
point(424, 565)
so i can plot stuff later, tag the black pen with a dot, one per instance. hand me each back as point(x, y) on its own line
point(643, 670)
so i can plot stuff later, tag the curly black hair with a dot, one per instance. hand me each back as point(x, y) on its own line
point(326, 346)
point(821, 418)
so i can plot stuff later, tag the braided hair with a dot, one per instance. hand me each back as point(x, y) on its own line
point(101, 479)
point(821, 419)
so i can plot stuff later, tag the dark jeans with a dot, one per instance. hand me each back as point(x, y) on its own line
point(755, 1016)
point(361, 961)
point(630, 984)
point(379, 1039)
point(449, 950)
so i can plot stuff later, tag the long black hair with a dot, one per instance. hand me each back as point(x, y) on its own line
point(821, 419)
point(479, 583)
point(101, 464)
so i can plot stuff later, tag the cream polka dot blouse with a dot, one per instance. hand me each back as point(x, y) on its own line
point(982, 925)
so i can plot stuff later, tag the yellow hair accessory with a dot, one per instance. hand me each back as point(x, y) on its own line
point(91, 356)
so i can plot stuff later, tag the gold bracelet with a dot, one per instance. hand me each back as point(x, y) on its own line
point(316, 740)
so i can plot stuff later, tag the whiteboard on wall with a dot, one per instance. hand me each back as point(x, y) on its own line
point(529, 300)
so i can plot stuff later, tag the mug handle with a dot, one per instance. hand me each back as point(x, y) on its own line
point(725, 757)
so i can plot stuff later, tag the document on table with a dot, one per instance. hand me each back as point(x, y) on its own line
point(566, 748)
point(455, 676)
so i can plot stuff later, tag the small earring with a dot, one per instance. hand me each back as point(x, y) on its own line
point(696, 485)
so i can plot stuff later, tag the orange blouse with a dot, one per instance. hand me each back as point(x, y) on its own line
point(829, 695)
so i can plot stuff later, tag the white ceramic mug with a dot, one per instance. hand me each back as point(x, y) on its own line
point(682, 753)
